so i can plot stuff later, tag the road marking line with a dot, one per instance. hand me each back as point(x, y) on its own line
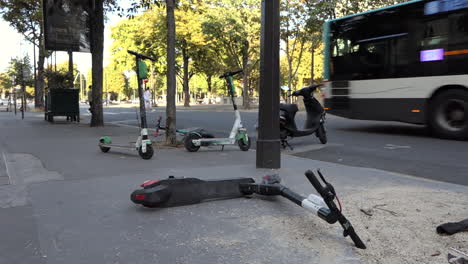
point(6, 168)
point(391, 146)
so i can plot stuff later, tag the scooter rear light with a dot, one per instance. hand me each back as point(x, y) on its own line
point(147, 183)
point(140, 197)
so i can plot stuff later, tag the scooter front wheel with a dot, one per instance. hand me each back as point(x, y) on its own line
point(188, 142)
point(244, 146)
point(148, 154)
point(321, 133)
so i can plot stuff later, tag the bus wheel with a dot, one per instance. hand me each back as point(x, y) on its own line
point(449, 115)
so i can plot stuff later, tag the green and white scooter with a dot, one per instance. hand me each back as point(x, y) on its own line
point(193, 141)
point(143, 144)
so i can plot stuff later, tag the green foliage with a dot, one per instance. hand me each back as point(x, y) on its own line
point(25, 16)
point(60, 79)
point(220, 35)
point(5, 83)
point(20, 71)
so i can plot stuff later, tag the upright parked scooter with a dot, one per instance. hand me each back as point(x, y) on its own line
point(315, 122)
point(143, 144)
point(193, 141)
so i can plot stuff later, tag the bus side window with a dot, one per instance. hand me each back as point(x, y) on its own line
point(373, 56)
point(434, 38)
point(458, 44)
point(399, 57)
point(435, 34)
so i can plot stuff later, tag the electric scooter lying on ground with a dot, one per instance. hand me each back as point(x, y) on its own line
point(185, 191)
point(238, 135)
point(143, 144)
point(315, 122)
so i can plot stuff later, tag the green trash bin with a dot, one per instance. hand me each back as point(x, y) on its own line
point(62, 102)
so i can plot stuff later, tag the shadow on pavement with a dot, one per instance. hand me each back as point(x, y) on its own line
point(391, 129)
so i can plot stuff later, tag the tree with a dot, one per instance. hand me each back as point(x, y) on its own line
point(205, 62)
point(189, 40)
point(26, 17)
point(171, 77)
point(170, 62)
point(97, 49)
point(20, 71)
point(235, 25)
point(5, 83)
point(293, 35)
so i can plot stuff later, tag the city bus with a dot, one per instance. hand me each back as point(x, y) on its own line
point(407, 62)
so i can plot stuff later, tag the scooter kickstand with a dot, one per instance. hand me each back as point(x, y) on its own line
point(285, 144)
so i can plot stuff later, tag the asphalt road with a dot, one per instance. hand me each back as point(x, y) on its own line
point(390, 146)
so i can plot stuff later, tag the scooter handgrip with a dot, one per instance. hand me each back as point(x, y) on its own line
point(226, 74)
point(236, 72)
point(140, 55)
point(315, 182)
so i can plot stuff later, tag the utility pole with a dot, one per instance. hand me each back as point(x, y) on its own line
point(23, 88)
point(107, 93)
point(35, 74)
point(268, 142)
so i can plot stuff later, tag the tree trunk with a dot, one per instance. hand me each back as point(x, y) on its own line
point(171, 76)
point(245, 81)
point(312, 66)
point(70, 68)
point(186, 78)
point(97, 48)
point(246, 94)
point(208, 80)
point(39, 92)
point(289, 79)
point(35, 70)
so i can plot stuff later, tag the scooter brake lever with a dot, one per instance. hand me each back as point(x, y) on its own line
point(329, 185)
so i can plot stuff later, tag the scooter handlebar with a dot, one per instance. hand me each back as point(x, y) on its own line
point(328, 194)
point(311, 88)
point(141, 55)
point(315, 182)
point(226, 74)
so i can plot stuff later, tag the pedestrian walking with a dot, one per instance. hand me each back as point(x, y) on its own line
point(90, 98)
point(147, 97)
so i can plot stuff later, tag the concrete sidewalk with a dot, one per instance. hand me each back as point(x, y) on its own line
point(67, 202)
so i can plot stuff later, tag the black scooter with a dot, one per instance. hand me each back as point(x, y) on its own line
point(315, 122)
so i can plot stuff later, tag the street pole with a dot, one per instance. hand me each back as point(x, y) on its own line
point(107, 93)
point(35, 74)
point(268, 143)
point(140, 95)
point(23, 89)
point(23, 100)
point(14, 96)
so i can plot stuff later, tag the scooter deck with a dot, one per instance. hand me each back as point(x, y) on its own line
point(116, 146)
point(185, 191)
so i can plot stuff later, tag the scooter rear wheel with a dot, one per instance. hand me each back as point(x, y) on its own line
point(188, 144)
point(321, 134)
point(104, 149)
